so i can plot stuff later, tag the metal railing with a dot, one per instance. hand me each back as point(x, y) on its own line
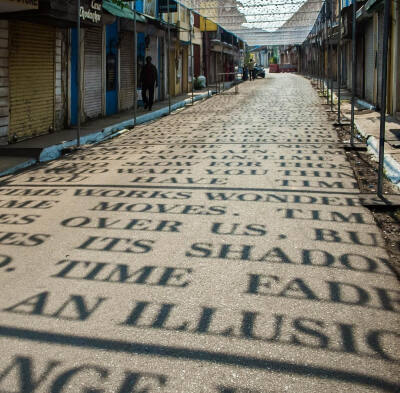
point(220, 81)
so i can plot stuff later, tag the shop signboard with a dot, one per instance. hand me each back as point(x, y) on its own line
point(150, 8)
point(18, 5)
point(91, 10)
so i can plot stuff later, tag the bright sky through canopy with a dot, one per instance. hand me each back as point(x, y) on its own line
point(268, 15)
point(262, 22)
point(268, 22)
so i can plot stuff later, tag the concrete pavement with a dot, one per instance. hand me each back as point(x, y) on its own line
point(221, 249)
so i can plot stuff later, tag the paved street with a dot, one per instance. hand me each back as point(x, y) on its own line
point(222, 249)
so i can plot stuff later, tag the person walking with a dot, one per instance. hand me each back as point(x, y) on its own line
point(148, 79)
point(251, 69)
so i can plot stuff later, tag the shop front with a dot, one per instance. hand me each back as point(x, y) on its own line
point(31, 79)
point(120, 42)
point(33, 72)
point(91, 59)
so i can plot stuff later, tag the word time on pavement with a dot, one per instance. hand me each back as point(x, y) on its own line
point(222, 249)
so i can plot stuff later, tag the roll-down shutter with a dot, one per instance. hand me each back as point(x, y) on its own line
point(31, 77)
point(127, 73)
point(369, 62)
point(93, 76)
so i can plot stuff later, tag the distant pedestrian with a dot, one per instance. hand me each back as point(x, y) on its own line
point(148, 79)
point(251, 69)
point(245, 73)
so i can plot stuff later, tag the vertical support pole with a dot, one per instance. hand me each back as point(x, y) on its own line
point(320, 66)
point(78, 30)
point(222, 67)
point(319, 56)
point(313, 61)
point(168, 57)
point(207, 58)
point(135, 65)
point(386, 22)
point(331, 52)
point(216, 72)
point(191, 57)
point(313, 73)
point(326, 54)
point(339, 62)
point(354, 70)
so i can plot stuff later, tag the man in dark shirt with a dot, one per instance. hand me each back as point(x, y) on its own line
point(148, 79)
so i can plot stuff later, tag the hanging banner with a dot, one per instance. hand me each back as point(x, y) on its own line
point(150, 8)
point(163, 6)
point(18, 5)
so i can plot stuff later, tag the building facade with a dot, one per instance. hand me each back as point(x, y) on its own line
point(40, 52)
point(317, 59)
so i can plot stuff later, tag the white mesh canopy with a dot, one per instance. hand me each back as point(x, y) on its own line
point(262, 22)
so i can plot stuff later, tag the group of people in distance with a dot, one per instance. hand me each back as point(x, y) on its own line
point(251, 71)
point(149, 80)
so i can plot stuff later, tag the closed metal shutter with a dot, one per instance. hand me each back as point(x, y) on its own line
point(92, 103)
point(31, 77)
point(127, 73)
point(369, 62)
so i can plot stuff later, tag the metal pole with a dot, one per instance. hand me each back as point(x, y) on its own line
point(331, 52)
point(207, 67)
point(321, 86)
point(383, 96)
point(78, 30)
point(354, 70)
point(315, 59)
point(168, 60)
point(222, 67)
point(216, 72)
point(339, 61)
point(326, 57)
point(135, 65)
point(313, 62)
point(319, 56)
point(191, 61)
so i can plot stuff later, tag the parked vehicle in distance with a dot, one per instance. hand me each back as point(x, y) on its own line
point(260, 71)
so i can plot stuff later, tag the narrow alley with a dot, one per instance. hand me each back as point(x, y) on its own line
point(220, 249)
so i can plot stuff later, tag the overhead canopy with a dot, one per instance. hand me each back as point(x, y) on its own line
point(124, 12)
point(261, 22)
point(371, 4)
point(207, 24)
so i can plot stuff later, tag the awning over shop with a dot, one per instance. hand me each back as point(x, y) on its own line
point(124, 12)
point(372, 4)
point(207, 25)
